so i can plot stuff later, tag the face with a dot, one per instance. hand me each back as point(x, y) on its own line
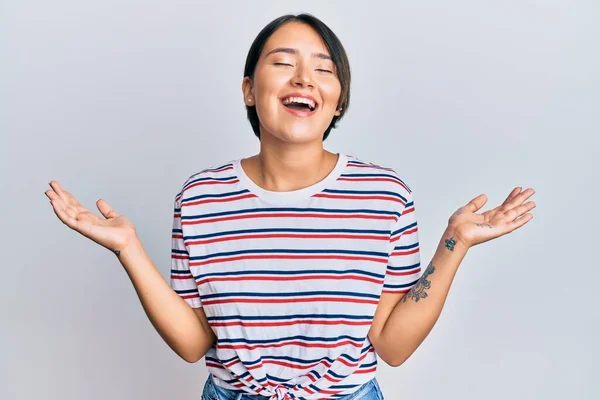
point(295, 88)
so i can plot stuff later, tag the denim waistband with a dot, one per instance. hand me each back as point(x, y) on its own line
point(368, 391)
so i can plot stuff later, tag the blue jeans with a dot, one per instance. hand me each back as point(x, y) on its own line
point(368, 391)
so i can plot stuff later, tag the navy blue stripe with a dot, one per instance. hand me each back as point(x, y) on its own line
point(342, 387)
point(302, 272)
point(288, 230)
point(288, 316)
point(290, 209)
point(400, 286)
point(216, 195)
point(382, 192)
point(189, 183)
point(407, 227)
point(410, 246)
point(285, 338)
point(403, 268)
point(290, 251)
point(216, 168)
point(372, 175)
point(181, 291)
point(371, 364)
point(298, 360)
point(369, 347)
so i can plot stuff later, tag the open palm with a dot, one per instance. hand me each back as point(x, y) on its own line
point(113, 231)
point(472, 229)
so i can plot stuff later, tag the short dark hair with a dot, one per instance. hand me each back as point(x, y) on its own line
point(333, 44)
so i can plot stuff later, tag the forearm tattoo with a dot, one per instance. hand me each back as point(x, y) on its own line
point(450, 243)
point(417, 292)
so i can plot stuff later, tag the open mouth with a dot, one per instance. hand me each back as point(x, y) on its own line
point(299, 103)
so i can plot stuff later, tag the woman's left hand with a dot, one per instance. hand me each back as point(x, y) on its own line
point(472, 229)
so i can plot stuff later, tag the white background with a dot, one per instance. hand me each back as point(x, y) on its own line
point(123, 100)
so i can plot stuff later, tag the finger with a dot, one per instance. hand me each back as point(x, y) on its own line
point(519, 222)
point(476, 203)
point(51, 194)
point(521, 197)
point(512, 194)
point(105, 209)
point(66, 196)
point(58, 190)
point(62, 214)
point(516, 212)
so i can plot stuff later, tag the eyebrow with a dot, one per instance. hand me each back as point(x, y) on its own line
point(289, 50)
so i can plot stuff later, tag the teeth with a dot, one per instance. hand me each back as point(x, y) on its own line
point(299, 100)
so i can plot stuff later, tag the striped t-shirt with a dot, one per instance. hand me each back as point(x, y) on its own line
point(289, 281)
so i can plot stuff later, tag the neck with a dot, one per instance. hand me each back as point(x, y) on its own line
point(283, 169)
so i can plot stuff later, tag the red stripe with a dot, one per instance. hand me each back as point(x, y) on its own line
point(292, 343)
point(219, 200)
point(289, 278)
point(365, 371)
point(287, 236)
point(410, 272)
point(326, 391)
point(210, 182)
point(358, 197)
point(288, 257)
point(374, 180)
point(406, 232)
point(330, 379)
point(371, 166)
point(225, 168)
point(288, 323)
point(404, 252)
point(352, 365)
point(290, 365)
point(182, 277)
point(395, 290)
point(294, 300)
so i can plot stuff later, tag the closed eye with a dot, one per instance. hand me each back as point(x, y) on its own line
point(325, 70)
point(279, 63)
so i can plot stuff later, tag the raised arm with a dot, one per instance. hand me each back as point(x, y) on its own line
point(403, 321)
point(184, 329)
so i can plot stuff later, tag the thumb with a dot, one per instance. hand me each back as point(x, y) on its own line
point(476, 203)
point(105, 209)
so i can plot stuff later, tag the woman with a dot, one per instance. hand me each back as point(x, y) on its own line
point(293, 269)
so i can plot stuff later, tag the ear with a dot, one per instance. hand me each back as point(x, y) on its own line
point(247, 91)
point(338, 111)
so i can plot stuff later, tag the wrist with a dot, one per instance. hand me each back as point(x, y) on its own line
point(451, 239)
point(133, 249)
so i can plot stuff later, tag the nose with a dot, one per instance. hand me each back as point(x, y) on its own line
point(302, 77)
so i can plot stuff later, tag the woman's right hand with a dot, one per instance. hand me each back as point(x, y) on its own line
point(115, 232)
